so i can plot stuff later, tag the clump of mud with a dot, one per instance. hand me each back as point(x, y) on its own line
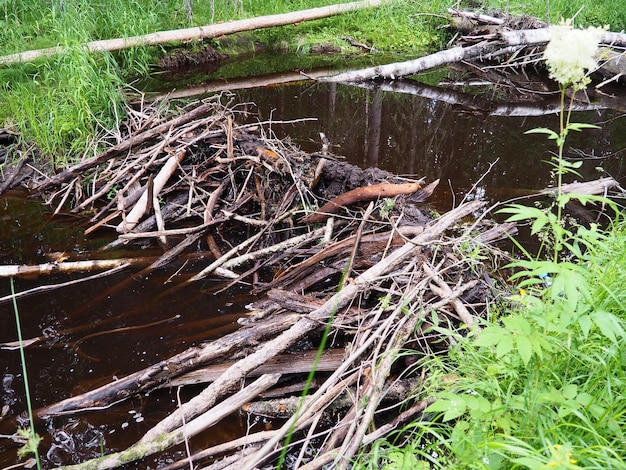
point(184, 58)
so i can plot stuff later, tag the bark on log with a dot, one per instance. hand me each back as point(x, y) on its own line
point(283, 364)
point(201, 32)
point(410, 67)
point(363, 194)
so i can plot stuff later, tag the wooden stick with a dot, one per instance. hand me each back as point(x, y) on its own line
point(284, 364)
point(161, 179)
point(129, 143)
point(69, 266)
point(192, 428)
point(157, 374)
point(49, 287)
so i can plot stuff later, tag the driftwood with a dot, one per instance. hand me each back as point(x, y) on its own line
point(70, 267)
point(366, 193)
point(202, 32)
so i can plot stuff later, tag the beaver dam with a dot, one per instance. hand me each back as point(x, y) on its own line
point(355, 281)
point(350, 279)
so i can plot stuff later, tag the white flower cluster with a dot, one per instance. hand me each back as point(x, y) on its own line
point(570, 53)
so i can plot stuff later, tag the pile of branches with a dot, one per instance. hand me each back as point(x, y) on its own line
point(367, 268)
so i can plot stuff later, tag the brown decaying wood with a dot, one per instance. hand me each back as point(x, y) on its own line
point(366, 193)
point(300, 363)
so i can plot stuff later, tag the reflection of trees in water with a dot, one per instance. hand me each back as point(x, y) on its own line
point(408, 134)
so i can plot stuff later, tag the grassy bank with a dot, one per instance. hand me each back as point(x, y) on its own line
point(543, 386)
point(64, 103)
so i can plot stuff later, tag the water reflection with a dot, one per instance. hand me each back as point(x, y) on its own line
point(414, 135)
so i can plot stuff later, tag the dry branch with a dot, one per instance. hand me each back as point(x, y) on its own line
point(67, 267)
point(190, 429)
point(157, 374)
point(134, 140)
point(161, 179)
point(201, 32)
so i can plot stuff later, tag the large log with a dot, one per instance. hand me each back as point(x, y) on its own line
point(509, 40)
point(200, 32)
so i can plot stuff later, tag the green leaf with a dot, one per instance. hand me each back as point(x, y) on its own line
point(505, 346)
point(517, 324)
point(490, 336)
point(570, 391)
point(543, 130)
point(585, 323)
point(608, 324)
point(578, 126)
point(452, 407)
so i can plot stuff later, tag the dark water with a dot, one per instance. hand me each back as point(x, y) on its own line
point(85, 340)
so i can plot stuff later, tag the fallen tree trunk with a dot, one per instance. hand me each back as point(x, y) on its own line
point(200, 32)
point(501, 41)
point(410, 67)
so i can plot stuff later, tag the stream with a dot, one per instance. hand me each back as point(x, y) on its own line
point(89, 333)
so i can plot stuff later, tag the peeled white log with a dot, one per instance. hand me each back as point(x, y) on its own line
point(200, 32)
point(161, 179)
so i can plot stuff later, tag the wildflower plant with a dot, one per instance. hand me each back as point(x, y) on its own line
point(570, 56)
